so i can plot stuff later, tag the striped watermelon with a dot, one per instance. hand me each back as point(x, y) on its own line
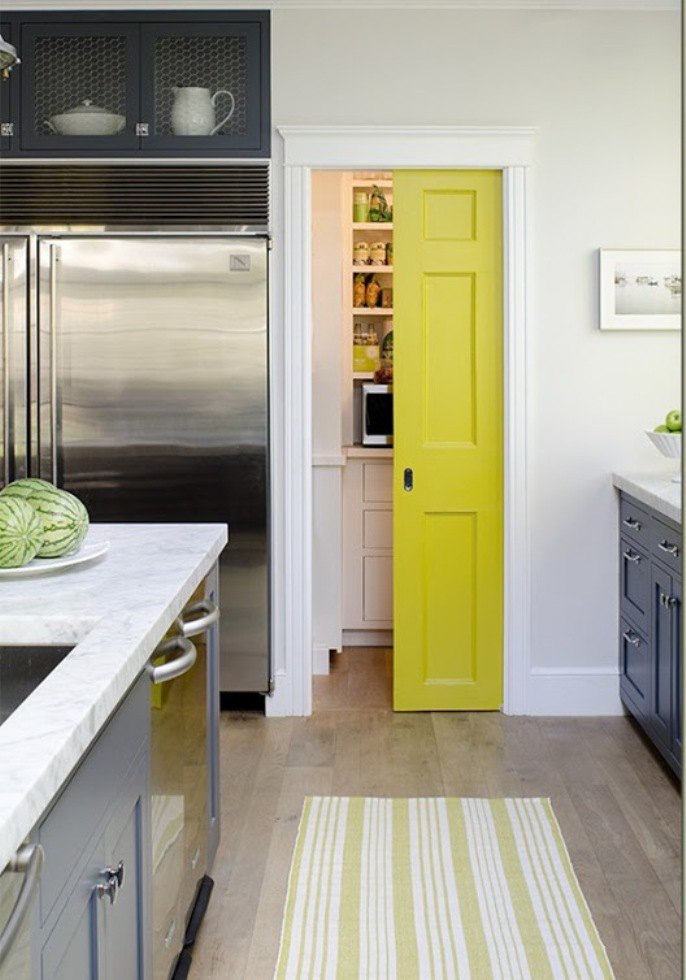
point(21, 532)
point(63, 516)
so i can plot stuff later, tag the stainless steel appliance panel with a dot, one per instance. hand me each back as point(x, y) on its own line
point(14, 270)
point(152, 400)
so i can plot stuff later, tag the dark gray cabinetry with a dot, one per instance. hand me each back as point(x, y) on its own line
point(93, 900)
point(134, 67)
point(649, 627)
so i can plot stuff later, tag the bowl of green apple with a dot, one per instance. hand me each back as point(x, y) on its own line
point(666, 437)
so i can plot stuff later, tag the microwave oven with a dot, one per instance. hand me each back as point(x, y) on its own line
point(377, 415)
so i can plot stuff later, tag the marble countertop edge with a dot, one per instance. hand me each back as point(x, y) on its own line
point(45, 738)
point(656, 490)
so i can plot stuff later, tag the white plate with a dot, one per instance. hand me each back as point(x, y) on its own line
point(43, 566)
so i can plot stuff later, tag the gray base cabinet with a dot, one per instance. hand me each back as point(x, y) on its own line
point(135, 827)
point(649, 625)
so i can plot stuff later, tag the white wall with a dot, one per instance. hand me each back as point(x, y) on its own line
point(603, 89)
point(327, 371)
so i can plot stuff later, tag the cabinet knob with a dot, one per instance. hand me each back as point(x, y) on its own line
point(668, 601)
point(142, 129)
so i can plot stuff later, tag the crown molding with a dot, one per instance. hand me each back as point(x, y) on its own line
point(579, 6)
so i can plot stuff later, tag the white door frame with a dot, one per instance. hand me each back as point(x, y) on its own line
point(308, 148)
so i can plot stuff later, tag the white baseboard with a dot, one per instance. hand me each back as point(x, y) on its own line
point(321, 659)
point(367, 638)
point(569, 691)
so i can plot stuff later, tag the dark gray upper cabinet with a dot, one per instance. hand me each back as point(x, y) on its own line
point(115, 84)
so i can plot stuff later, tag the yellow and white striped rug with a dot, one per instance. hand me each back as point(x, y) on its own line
point(435, 888)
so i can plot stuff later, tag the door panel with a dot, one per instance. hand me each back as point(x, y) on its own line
point(13, 373)
point(154, 379)
point(661, 713)
point(448, 380)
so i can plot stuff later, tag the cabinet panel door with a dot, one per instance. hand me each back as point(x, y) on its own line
point(65, 65)
point(203, 86)
point(377, 572)
point(635, 666)
point(677, 705)
point(634, 584)
point(126, 846)
point(662, 629)
point(72, 949)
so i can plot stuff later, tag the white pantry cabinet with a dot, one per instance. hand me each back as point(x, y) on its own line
point(368, 541)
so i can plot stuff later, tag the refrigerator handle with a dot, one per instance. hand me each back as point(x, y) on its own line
point(52, 316)
point(6, 362)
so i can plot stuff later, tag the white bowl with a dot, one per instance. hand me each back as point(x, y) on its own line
point(668, 443)
point(87, 123)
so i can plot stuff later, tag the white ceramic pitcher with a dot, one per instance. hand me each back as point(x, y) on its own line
point(193, 112)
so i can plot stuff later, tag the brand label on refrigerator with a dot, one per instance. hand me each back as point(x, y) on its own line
point(239, 263)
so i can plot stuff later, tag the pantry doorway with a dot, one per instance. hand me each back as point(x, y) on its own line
point(507, 150)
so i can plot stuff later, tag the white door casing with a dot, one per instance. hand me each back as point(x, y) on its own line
point(307, 148)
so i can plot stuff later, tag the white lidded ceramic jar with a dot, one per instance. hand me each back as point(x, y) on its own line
point(194, 111)
point(86, 119)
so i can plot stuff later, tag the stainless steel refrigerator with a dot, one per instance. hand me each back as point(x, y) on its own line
point(135, 374)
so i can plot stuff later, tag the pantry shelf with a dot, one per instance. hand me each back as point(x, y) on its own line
point(369, 182)
point(363, 375)
point(371, 311)
point(373, 225)
point(372, 268)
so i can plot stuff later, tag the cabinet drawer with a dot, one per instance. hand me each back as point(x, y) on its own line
point(634, 665)
point(633, 522)
point(666, 544)
point(378, 482)
point(80, 807)
point(377, 529)
point(634, 584)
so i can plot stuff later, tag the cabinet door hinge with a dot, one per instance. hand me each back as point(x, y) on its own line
point(7, 129)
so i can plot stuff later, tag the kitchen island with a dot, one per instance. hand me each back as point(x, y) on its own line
point(649, 625)
point(112, 613)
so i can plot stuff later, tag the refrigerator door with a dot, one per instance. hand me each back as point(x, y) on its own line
point(153, 401)
point(14, 253)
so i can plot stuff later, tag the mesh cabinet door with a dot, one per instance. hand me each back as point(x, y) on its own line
point(80, 87)
point(203, 87)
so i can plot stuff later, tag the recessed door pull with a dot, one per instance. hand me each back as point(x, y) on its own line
point(408, 479)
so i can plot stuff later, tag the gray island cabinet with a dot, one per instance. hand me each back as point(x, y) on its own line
point(650, 615)
point(112, 876)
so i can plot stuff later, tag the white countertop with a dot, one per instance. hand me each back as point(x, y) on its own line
point(114, 611)
point(368, 452)
point(655, 490)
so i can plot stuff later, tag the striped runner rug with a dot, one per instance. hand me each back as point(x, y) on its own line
point(435, 888)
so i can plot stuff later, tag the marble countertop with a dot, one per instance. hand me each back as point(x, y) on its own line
point(655, 490)
point(114, 611)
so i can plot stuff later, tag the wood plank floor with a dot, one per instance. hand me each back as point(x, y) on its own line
point(618, 807)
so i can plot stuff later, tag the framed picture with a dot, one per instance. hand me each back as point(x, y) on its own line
point(640, 289)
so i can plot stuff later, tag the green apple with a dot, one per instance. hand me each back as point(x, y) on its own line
point(673, 420)
point(660, 428)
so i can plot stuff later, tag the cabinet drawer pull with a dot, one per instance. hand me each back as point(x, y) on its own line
point(117, 873)
point(632, 556)
point(632, 523)
point(27, 861)
point(108, 889)
point(631, 638)
point(668, 548)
